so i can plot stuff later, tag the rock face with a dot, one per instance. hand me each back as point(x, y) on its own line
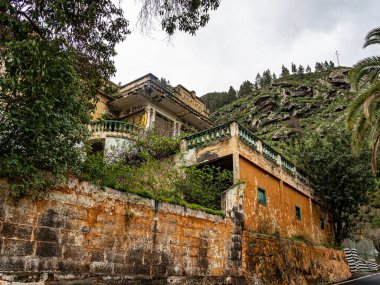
point(315, 99)
point(80, 234)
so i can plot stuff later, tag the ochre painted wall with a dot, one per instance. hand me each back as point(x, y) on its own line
point(278, 215)
point(101, 107)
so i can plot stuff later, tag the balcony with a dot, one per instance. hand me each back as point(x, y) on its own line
point(111, 128)
point(220, 140)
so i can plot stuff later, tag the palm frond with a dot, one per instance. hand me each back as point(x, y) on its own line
point(373, 37)
point(367, 66)
point(375, 152)
point(372, 100)
point(357, 106)
point(360, 131)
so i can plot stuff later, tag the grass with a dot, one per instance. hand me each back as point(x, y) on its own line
point(174, 201)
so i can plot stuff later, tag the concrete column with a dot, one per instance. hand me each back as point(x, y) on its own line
point(183, 145)
point(147, 110)
point(175, 128)
point(152, 117)
point(236, 167)
point(313, 234)
point(259, 146)
point(278, 160)
point(179, 129)
point(234, 129)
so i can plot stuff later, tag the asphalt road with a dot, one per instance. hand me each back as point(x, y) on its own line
point(370, 280)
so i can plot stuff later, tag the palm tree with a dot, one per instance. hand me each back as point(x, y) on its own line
point(363, 118)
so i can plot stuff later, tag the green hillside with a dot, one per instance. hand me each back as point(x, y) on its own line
point(291, 106)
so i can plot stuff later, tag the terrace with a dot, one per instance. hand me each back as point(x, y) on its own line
point(231, 141)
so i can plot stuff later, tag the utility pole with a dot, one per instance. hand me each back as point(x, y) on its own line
point(337, 57)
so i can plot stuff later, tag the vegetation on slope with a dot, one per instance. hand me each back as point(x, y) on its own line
point(291, 106)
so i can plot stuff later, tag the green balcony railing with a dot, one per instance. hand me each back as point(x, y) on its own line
point(116, 127)
point(269, 153)
point(209, 136)
point(223, 132)
point(287, 165)
point(247, 137)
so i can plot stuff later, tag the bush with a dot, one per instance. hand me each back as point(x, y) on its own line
point(204, 185)
point(194, 187)
point(150, 145)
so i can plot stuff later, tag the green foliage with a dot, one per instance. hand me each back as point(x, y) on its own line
point(149, 145)
point(301, 70)
point(54, 55)
point(284, 71)
point(246, 88)
point(294, 68)
point(157, 178)
point(216, 100)
point(44, 111)
point(342, 182)
point(90, 28)
point(186, 16)
point(364, 114)
point(203, 185)
point(304, 238)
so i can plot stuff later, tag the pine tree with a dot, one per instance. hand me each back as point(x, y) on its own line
point(318, 67)
point(274, 77)
point(308, 69)
point(258, 81)
point(246, 88)
point(301, 69)
point(326, 65)
point(332, 64)
point(232, 92)
point(266, 79)
point(284, 71)
point(294, 68)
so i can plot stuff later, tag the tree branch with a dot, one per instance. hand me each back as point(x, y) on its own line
point(36, 28)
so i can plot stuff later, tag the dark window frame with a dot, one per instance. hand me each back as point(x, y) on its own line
point(298, 213)
point(322, 223)
point(262, 190)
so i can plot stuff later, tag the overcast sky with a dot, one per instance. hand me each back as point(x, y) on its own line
point(244, 37)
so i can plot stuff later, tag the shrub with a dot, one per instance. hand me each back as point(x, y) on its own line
point(204, 185)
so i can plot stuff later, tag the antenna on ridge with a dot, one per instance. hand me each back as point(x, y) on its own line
point(337, 57)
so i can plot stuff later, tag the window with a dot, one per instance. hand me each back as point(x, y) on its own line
point(298, 213)
point(262, 196)
point(322, 223)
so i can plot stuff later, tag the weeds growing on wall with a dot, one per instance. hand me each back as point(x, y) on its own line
point(146, 168)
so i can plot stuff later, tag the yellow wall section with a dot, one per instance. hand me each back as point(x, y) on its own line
point(139, 119)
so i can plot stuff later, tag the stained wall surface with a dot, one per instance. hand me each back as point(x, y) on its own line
point(80, 234)
point(278, 216)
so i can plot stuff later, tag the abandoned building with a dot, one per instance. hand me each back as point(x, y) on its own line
point(275, 197)
point(142, 104)
point(79, 233)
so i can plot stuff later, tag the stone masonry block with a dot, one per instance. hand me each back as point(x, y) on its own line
point(12, 230)
point(47, 234)
point(14, 247)
point(12, 263)
point(48, 249)
point(52, 219)
point(73, 252)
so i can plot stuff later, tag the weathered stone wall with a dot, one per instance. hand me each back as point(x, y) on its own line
point(83, 231)
point(80, 232)
point(277, 261)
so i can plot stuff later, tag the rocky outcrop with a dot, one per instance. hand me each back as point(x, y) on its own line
point(339, 78)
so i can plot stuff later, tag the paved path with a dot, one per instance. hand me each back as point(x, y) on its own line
point(369, 280)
